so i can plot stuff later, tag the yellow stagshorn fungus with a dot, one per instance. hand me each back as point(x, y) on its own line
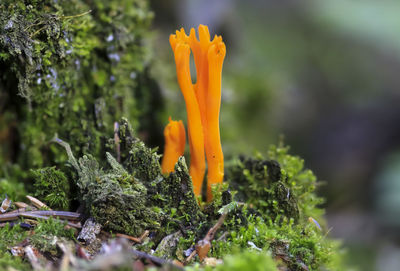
point(175, 140)
point(203, 101)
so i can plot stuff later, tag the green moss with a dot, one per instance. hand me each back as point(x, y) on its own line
point(14, 190)
point(257, 261)
point(177, 193)
point(48, 232)
point(71, 68)
point(113, 197)
point(295, 245)
point(52, 186)
point(279, 198)
point(277, 187)
point(142, 162)
point(11, 236)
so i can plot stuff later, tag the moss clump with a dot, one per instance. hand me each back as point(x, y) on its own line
point(296, 246)
point(48, 233)
point(172, 194)
point(269, 203)
point(257, 261)
point(278, 198)
point(177, 193)
point(141, 161)
point(72, 68)
point(11, 236)
point(14, 190)
point(276, 187)
point(113, 197)
point(52, 186)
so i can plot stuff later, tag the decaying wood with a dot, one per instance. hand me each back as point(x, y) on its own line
point(41, 214)
point(37, 203)
point(21, 210)
point(21, 204)
point(5, 205)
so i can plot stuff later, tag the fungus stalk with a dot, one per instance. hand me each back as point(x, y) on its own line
point(195, 129)
point(175, 139)
point(203, 101)
point(215, 157)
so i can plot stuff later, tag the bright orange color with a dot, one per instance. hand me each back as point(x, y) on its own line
point(175, 140)
point(203, 101)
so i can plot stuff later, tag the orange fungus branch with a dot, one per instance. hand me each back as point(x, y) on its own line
point(175, 139)
point(203, 101)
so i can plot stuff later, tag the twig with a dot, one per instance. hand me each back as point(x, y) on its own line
point(37, 31)
point(77, 15)
point(46, 218)
point(21, 204)
point(211, 233)
point(134, 239)
point(204, 245)
point(59, 214)
point(21, 210)
point(37, 203)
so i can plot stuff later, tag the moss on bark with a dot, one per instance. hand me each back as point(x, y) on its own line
point(70, 68)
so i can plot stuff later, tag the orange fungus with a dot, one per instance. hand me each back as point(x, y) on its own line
point(175, 139)
point(203, 101)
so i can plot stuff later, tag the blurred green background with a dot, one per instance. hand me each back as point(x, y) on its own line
point(325, 75)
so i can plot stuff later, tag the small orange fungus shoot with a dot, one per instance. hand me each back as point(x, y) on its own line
point(203, 101)
point(175, 139)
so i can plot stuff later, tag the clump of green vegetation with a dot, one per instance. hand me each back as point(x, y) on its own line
point(11, 236)
point(276, 187)
point(295, 245)
point(48, 232)
point(171, 195)
point(71, 68)
point(114, 197)
point(14, 190)
point(238, 261)
point(52, 186)
point(272, 207)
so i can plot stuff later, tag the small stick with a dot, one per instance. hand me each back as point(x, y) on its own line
point(134, 239)
point(59, 214)
point(37, 203)
point(77, 15)
point(208, 238)
point(9, 216)
point(211, 233)
point(21, 204)
point(21, 210)
point(30, 215)
point(144, 235)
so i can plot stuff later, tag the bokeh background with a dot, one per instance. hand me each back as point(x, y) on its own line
point(326, 76)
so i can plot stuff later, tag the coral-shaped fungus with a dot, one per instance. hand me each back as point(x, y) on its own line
point(203, 101)
point(175, 139)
